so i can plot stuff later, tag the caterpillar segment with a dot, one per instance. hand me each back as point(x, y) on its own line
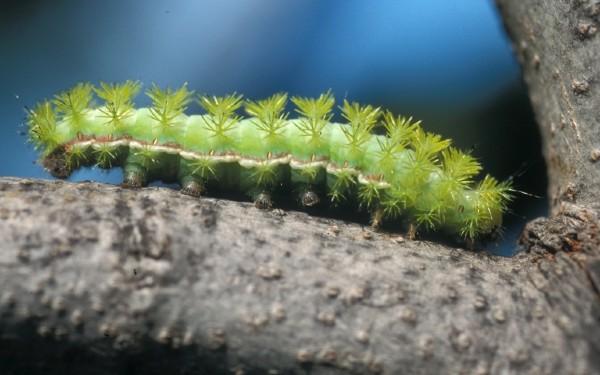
point(404, 174)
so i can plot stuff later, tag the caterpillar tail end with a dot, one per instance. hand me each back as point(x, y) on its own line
point(56, 164)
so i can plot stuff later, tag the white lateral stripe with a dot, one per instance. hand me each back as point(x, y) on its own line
point(231, 158)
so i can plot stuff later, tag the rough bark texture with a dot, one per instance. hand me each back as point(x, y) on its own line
point(557, 44)
point(100, 280)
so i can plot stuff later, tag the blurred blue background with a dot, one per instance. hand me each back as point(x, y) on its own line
point(448, 63)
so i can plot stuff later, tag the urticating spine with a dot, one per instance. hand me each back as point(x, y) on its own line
point(406, 173)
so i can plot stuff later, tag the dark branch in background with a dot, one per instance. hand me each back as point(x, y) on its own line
point(558, 49)
point(100, 280)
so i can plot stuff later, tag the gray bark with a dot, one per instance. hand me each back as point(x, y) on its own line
point(557, 45)
point(97, 279)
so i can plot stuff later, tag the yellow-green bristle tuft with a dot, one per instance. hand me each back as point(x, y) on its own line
point(339, 189)
point(270, 115)
point(146, 157)
point(387, 155)
point(430, 218)
point(401, 130)
point(265, 176)
point(168, 104)
point(428, 145)
point(310, 173)
point(316, 114)
point(75, 157)
point(470, 228)
point(73, 104)
point(459, 166)
point(393, 206)
point(493, 193)
point(42, 127)
point(368, 195)
point(362, 120)
point(118, 100)
point(490, 199)
point(204, 168)
point(105, 156)
point(222, 111)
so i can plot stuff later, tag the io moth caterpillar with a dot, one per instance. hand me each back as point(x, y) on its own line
point(406, 173)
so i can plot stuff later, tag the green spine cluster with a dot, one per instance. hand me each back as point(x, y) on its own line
point(403, 173)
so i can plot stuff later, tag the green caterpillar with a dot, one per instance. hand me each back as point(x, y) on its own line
point(407, 173)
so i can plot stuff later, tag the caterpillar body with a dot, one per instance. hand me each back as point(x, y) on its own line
point(406, 173)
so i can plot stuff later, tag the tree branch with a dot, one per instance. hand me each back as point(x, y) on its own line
point(98, 279)
point(558, 48)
